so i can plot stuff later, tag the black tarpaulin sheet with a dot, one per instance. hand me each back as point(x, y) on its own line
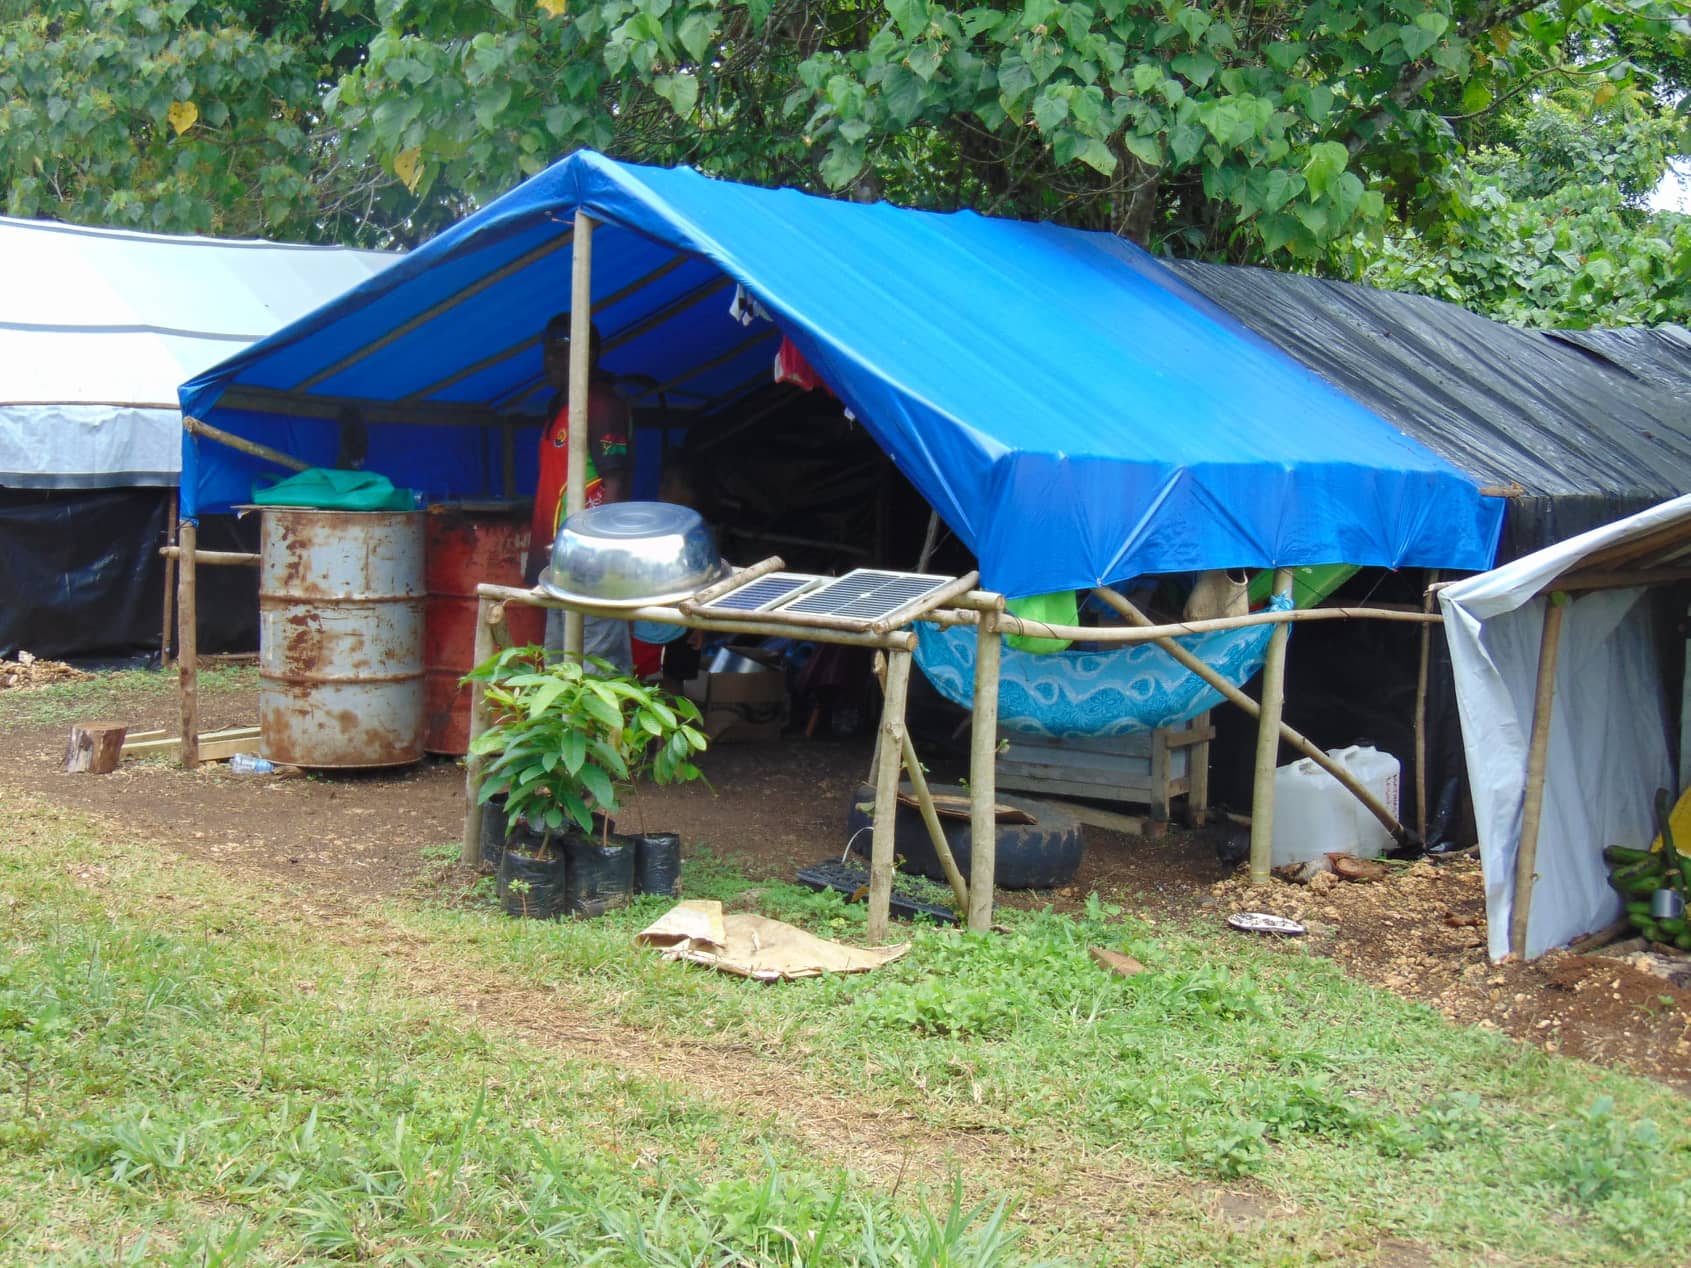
point(1604, 413)
point(1594, 425)
point(86, 582)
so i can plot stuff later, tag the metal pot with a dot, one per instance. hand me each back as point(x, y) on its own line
point(729, 660)
point(625, 554)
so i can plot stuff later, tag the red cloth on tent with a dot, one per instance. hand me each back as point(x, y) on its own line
point(791, 367)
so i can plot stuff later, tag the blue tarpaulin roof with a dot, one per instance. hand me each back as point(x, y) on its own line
point(1076, 413)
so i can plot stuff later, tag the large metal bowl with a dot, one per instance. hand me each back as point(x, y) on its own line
point(625, 554)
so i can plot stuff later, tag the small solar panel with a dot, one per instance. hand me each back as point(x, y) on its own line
point(866, 595)
point(765, 592)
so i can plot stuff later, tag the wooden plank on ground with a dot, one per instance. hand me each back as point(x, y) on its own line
point(1094, 816)
point(158, 742)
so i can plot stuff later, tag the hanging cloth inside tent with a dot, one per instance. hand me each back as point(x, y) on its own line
point(1076, 695)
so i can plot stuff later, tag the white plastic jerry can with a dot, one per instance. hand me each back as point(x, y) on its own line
point(1311, 817)
point(1381, 774)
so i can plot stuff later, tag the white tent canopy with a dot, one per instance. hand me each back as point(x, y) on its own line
point(99, 326)
point(1608, 736)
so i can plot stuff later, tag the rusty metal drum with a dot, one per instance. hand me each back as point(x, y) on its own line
point(466, 546)
point(340, 642)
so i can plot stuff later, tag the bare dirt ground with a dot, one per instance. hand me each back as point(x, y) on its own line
point(781, 805)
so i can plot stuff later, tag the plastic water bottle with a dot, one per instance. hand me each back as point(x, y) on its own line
point(251, 764)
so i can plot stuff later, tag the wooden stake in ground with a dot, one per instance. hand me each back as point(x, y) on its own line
point(1538, 750)
point(95, 747)
point(1421, 710)
point(470, 853)
point(581, 367)
point(883, 839)
point(1268, 741)
point(172, 518)
point(188, 643)
point(983, 775)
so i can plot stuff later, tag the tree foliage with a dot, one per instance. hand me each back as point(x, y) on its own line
point(1350, 135)
point(1553, 228)
point(181, 116)
point(1255, 131)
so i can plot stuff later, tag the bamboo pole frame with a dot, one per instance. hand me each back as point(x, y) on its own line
point(172, 526)
point(239, 558)
point(241, 444)
point(733, 581)
point(1151, 632)
point(1421, 710)
point(1538, 750)
point(429, 314)
point(884, 835)
point(1268, 741)
point(1237, 697)
point(924, 802)
point(936, 833)
point(581, 366)
point(897, 641)
point(487, 613)
point(905, 612)
point(983, 774)
point(188, 647)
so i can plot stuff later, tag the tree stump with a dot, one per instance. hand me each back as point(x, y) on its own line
point(95, 747)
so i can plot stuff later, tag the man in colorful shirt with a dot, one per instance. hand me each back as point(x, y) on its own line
point(608, 466)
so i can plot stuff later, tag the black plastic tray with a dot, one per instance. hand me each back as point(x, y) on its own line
point(846, 879)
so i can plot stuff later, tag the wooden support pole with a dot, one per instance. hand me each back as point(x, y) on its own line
point(983, 774)
point(171, 520)
point(240, 558)
point(188, 646)
point(1157, 806)
point(930, 817)
point(1198, 773)
point(1268, 741)
point(980, 601)
point(924, 800)
point(470, 854)
point(249, 447)
point(961, 614)
point(1234, 696)
point(1421, 712)
point(883, 840)
point(1538, 751)
point(581, 370)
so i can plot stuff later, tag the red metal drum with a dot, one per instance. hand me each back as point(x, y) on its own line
point(462, 550)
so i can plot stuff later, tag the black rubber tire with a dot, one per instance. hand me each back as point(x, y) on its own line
point(1041, 855)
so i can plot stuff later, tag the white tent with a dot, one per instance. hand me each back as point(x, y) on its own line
point(1568, 627)
point(99, 326)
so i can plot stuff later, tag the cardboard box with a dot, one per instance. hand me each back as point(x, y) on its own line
point(749, 706)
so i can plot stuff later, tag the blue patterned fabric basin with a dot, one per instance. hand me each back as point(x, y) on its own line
point(1078, 695)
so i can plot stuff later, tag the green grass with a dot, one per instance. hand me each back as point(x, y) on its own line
point(191, 1073)
point(68, 701)
point(1224, 1062)
point(184, 1083)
